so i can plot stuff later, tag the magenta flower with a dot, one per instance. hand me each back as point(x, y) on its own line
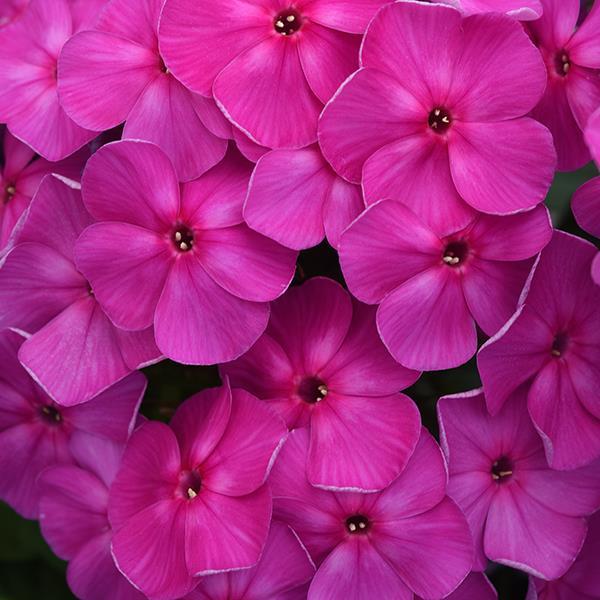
point(413, 124)
point(190, 499)
point(36, 433)
point(181, 259)
point(283, 572)
point(408, 538)
point(75, 352)
point(572, 58)
point(582, 580)
point(20, 178)
point(586, 200)
point(549, 352)
point(301, 207)
point(10, 10)
point(74, 519)
point(28, 63)
point(116, 74)
point(475, 587)
point(432, 290)
point(271, 64)
point(321, 364)
point(523, 10)
point(522, 513)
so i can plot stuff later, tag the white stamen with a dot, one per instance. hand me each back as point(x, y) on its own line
point(191, 493)
point(280, 24)
point(362, 525)
point(555, 352)
point(178, 236)
point(290, 18)
point(352, 527)
point(183, 246)
point(451, 260)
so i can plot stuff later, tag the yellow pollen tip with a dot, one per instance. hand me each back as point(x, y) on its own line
point(505, 473)
point(183, 246)
point(280, 24)
point(555, 352)
point(451, 260)
point(178, 236)
point(291, 19)
point(191, 493)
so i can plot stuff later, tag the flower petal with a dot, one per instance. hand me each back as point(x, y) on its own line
point(344, 204)
point(245, 263)
point(426, 323)
point(371, 109)
point(585, 205)
point(243, 457)
point(211, 325)
point(385, 247)
point(352, 16)
point(397, 171)
point(523, 156)
point(146, 184)
point(127, 267)
point(233, 530)
point(165, 115)
point(289, 208)
point(101, 76)
point(360, 442)
point(264, 92)
point(583, 46)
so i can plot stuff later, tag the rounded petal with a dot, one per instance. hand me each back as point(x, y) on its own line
point(242, 458)
point(127, 267)
point(233, 530)
point(361, 443)
point(585, 205)
point(289, 208)
point(583, 46)
point(371, 109)
point(101, 76)
point(196, 46)
point(352, 16)
point(245, 263)
point(524, 534)
point(426, 323)
point(150, 551)
point(165, 114)
point(264, 92)
point(133, 182)
point(344, 204)
point(557, 22)
point(198, 322)
point(356, 570)
point(523, 156)
point(148, 473)
point(399, 170)
point(500, 74)
point(432, 552)
point(200, 422)
point(385, 247)
point(327, 57)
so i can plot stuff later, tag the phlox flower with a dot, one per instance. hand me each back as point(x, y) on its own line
point(522, 513)
point(271, 64)
point(20, 177)
point(582, 580)
point(296, 198)
point(431, 289)
point(115, 73)
point(190, 497)
point(321, 364)
point(283, 572)
point(74, 352)
point(572, 57)
point(409, 538)
point(435, 116)
point(181, 258)
point(549, 353)
point(586, 200)
point(36, 433)
point(74, 519)
point(29, 102)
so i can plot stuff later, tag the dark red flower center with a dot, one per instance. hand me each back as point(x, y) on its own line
point(502, 469)
point(189, 484)
point(559, 345)
point(439, 120)
point(183, 238)
point(50, 415)
point(287, 22)
point(357, 524)
point(562, 63)
point(455, 253)
point(9, 191)
point(312, 390)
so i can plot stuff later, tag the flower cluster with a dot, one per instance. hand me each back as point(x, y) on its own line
point(164, 163)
